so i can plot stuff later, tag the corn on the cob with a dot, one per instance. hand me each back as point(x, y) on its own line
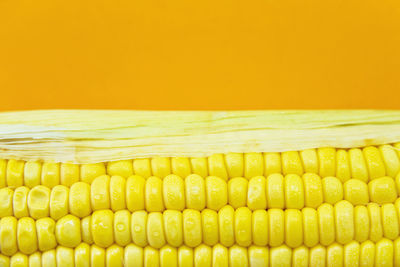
point(276, 203)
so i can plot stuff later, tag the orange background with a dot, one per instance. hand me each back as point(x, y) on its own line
point(208, 54)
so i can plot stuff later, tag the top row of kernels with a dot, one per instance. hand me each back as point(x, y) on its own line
point(360, 163)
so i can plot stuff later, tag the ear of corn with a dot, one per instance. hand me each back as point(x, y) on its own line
point(239, 191)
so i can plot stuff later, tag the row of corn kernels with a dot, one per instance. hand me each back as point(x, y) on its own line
point(364, 164)
point(341, 223)
point(385, 253)
point(193, 192)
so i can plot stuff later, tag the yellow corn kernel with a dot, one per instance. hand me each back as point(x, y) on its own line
point(357, 164)
point(117, 193)
point(327, 161)
point(102, 228)
point(122, 227)
point(326, 224)
point(86, 225)
point(135, 187)
point(382, 190)
point(4, 260)
point(226, 226)
point(291, 163)
point(64, 256)
point(50, 174)
point(49, 258)
point(100, 193)
point(3, 180)
point(260, 227)
point(195, 192)
point(275, 191)
point(280, 256)
point(8, 236)
point(272, 163)
point(317, 256)
point(114, 256)
point(219, 256)
point(294, 192)
point(168, 257)
point(26, 235)
point(256, 197)
point(258, 256)
point(367, 254)
point(344, 221)
point(235, 164)
point(79, 200)
point(19, 260)
point(139, 228)
point(35, 260)
point(6, 202)
point(332, 190)
point(390, 222)
point(97, 256)
point(209, 224)
point(237, 192)
point(39, 202)
point(181, 167)
point(313, 194)
point(32, 173)
point(384, 253)
point(361, 223)
point(293, 228)
point(351, 254)
point(243, 226)
point(185, 256)
point(122, 168)
point(133, 256)
point(375, 228)
point(59, 198)
point(20, 202)
point(396, 252)
point(216, 192)
point(173, 227)
point(390, 159)
point(15, 173)
point(356, 192)
point(334, 255)
point(343, 171)
point(192, 232)
point(46, 236)
point(142, 167)
point(202, 256)
point(160, 167)
point(199, 166)
point(375, 165)
point(238, 256)
point(173, 192)
point(253, 165)
point(300, 257)
point(310, 227)
point(309, 159)
point(151, 257)
point(216, 166)
point(82, 255)
point(276, 227)
point(69, 174)
point(155, 230)
point(91, 171)
point(397, 181)
point(153, 194)
point(68, 231)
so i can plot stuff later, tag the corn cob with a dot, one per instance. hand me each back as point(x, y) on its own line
point(326, 201)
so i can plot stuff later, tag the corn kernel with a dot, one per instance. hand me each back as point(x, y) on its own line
point(117, 193)
point(199, 166)
point(155, 230)
point(32, 173)
point(15, 173)
point(160, 167)
point(133, 256)
point(181, 167)
point(202, 256)
point(256, 197)
point(382, 190)
point(334, 255)
point(375, 165)
point(317, 256)
point(19, 260)
point(294, 192)
point(122, 168)
point(35, 260)
point(272, 163)
point(258, 256)
point(384, 253)
point(293, 228)
point(3, 183)
point(209, 224)
point(375, 228)
point(20, 202)
point(234, 164)
point(69, 174)
point(275, 191)
point(168, 257)
point(351, 254)
point(100, 193)
point(97, 256)
point(153, 194)
point(396, 251)
point(390, 159)
point(79, 200)
point(367, 254)
point(358, 165)
point(309, 159)
point(151, 257)
point(243, 226)
point(50, 174)
point(195, 192)
point(343, 170)
point(281, 256)
point(313, 194)
point(216, 166)
point(122, 227)
point(64, 257)
point(102, 228)
point(276, 227)
point(173, 227)
point(8, 236)
point(68, 231)
point(237, 192)
point(260, 227)
point(173, 192)
point(82, 255)
point(216, 192)
point(91, 171)
point(135, 187)
point(310, 227)
point(59, 201)
point(326, 224)
point(39, 202)
point(361, 223)
point(390, 222)
point(139, 228)
point(219, 256)
point(86, 229)
point(344, 221)
point(238, 256)
point(332, 190)
point(253, 165)
point(114, 256)
point(49, 258)
point(6, 202)
point(291, 163)
point(192, 233)
point(185, 256)
point(26, 235)
point(142, 167)
point(356, 192)
point(46, 236)
point(226, 226)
